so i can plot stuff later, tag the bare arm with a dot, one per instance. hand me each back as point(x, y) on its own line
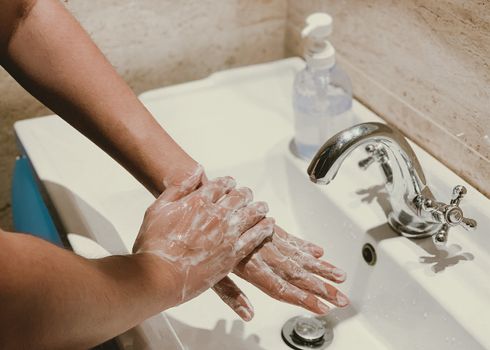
point(49, 297)
point(48, 52)
point(53, 299)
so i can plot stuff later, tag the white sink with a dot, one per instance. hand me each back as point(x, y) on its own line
point(239, 123)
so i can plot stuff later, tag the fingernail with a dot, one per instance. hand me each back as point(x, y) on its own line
point(248, 194)
point(229, 182)
point(244, 313)
point(342, 300)
point(316, 250)
point(339, 274)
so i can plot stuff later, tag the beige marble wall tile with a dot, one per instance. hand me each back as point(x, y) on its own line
point(422, 65)
point(154, 43)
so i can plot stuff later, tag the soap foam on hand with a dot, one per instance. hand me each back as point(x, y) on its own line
point(201, 233)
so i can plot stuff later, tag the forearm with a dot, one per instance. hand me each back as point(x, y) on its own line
point(53, 299)
point(55, 60)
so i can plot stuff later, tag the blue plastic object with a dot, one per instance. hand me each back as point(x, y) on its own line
point(29, 211)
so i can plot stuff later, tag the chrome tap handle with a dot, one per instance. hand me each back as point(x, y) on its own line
point(440, 238)
point(453, 213)
point(468, 224)
point(448, 214)
point(458, 194)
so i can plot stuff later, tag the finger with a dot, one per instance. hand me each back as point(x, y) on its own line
point(323, 269)
point(273, 285)
point(248, 216)
point(290, 271)
point(252, 238)
point(216, 188)
point(308, 262)
point(303, 245)
point(236, 199)
point(234, 297)
point(175, 192)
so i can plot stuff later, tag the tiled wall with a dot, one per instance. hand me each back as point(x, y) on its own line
point(154, 43)
point(423, 65)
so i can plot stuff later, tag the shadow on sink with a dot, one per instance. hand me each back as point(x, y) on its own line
point(381, 232)
point(439, 259)
point(376, 193)
point(216, 338)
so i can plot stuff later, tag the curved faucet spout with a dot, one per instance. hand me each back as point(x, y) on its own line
point(405, 179)
point(414, 210)
point(326, 163)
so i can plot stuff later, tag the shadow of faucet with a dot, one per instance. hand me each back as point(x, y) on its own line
point(438, 258)
point(376, 193)
point(380, 233)
point(441, 258)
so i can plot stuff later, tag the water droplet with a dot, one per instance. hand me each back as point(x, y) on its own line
point(426, 314)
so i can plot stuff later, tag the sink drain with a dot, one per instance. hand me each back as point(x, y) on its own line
point(369, 254)
point(306, 332)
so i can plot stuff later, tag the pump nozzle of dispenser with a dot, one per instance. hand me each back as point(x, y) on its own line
point(318, 51)
point(318, 26)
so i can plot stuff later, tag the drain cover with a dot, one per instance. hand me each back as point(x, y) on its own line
point(306, 332)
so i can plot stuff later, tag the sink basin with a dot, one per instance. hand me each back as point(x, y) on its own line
point(239, 123)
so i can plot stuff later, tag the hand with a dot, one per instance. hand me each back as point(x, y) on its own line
point(284, 267)
point(201, 234)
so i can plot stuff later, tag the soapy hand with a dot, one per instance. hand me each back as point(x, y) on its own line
point(285, 269)
point(201, 234)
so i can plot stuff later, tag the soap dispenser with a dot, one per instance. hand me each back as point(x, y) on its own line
point(322, 91)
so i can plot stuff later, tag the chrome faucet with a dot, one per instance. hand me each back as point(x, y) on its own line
point(415, 213)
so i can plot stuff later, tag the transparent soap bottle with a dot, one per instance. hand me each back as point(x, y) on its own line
point(322, 91)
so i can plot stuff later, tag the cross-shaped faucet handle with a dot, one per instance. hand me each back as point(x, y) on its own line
point(449, 214)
